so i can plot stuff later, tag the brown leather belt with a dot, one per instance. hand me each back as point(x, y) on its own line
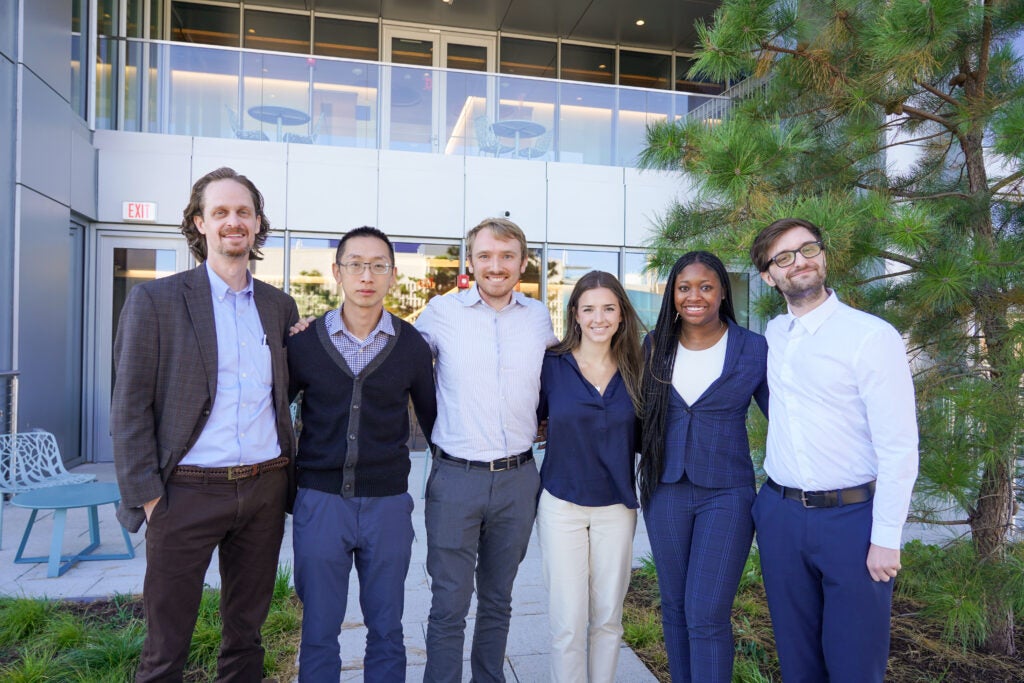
point(498, 465)
point(194, 472)
point(826, 499)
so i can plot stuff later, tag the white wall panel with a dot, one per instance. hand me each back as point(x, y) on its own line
point(331, 189)
point(47, 42)
point(421, 194)
point(585, 204)
point(494, 186)
point(264, 163)
point(143, 167)
point(45, 139)
point(649, 195)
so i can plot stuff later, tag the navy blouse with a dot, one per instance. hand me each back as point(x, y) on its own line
point(592, 438)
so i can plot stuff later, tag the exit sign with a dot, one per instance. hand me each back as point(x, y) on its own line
point(139, 211)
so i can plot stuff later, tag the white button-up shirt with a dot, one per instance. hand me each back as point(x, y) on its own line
point(488, 372)
point(842, 409)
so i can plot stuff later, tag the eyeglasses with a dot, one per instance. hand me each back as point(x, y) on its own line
point(784, 259)
point(359, 267)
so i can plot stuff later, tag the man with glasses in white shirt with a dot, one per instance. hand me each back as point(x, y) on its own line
point(841, 460)
point(489, 343)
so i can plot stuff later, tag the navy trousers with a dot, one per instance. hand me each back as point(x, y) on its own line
point(831, 620)
point(329, 534)
point(700, 539)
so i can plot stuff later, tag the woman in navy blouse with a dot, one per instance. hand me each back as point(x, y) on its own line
point(696, 476)
point(586, 516)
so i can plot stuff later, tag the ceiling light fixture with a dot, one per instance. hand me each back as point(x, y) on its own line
point(640, 22)
point(448, 2)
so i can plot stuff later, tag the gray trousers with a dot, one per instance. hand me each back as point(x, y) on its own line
point(478, 522)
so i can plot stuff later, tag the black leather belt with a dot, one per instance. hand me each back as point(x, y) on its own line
point(826, 499)
point(194, 472)
point(499, 465)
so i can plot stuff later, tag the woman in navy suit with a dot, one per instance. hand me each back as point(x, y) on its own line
point(696, 477)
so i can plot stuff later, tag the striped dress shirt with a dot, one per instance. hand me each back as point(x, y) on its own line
point(487, 371)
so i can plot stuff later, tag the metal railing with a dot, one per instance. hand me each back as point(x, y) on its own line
point(185, 89)
point(8, 401)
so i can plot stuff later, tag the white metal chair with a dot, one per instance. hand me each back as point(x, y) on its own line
point(29, 461)
point(486, 139)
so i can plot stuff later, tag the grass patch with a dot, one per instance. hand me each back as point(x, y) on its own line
point(934, 625)
point(100, 641)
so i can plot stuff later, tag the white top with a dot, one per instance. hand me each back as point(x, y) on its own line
point(487, 371)
point(694, 371)
point(842, 409)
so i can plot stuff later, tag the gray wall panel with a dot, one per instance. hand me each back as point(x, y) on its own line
point(49, 345)
point(46, 140)
point(83, 169)
point(7, 135)
point(8, 28)
point(48, 42)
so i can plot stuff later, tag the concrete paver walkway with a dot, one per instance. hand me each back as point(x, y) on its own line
point(528, 644)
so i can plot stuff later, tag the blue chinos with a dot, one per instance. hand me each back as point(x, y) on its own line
point(831, 620)
point(700, 538)
point(329, 533)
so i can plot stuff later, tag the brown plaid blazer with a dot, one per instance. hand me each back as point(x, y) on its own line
point(165, 363)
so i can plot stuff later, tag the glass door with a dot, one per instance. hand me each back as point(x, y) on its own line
point(123, 261)
point(428, 109)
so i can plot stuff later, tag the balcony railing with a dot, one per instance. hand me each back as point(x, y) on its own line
point(181, 89)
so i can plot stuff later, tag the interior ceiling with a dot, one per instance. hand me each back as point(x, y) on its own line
point(669, 24)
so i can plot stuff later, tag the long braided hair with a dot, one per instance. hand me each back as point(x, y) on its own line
point(661, 357)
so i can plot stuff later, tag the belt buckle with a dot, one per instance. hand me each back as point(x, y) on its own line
point(803, 499)
point(497, 469)
point(240, 472)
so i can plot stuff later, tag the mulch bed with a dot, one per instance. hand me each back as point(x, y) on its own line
point(916, 655)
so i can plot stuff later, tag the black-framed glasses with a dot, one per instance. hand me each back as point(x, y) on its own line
point(359, 267)
point(784, 259)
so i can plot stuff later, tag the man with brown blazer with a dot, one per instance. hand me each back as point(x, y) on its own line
point(203, 442)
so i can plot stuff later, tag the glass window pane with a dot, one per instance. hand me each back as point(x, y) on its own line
point(528, 57)
point(694, 84)
point(349, 39)
point(423, 272)
point(740, 283)
point(206, 24)
point(644, 69)
point(529, 283)
point(466, 57)
point(310, 281)
point(643, 287)
point(587, 63)
point(412, 51)
point(585, 124)
point(565, 267)
point(345, 102)
point(276, 31)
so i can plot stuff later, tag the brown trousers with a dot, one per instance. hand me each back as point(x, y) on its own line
point(244, 520)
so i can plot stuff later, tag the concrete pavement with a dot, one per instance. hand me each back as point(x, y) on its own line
point(528, 644)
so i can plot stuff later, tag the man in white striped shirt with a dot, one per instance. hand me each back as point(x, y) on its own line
point(489, 342)
point(841, 460)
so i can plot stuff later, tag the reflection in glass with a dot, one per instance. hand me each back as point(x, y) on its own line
point(466, 57)
point(133, 267)
point(565, 267)
point(528, 57)
point(277, 31)
point(423, 271)
point(412, 51)
point(585, 123)
point(344, 38)
point(310, 281)
point(643, 287)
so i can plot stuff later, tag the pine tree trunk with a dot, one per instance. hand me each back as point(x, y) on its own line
point(989, 528)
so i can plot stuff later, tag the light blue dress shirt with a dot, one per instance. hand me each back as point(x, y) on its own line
point(241, 429)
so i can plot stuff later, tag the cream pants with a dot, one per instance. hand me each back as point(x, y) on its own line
point(587, 554)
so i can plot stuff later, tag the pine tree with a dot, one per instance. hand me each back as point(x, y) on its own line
point(844, 90)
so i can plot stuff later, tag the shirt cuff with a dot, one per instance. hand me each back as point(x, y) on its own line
point(886, 535)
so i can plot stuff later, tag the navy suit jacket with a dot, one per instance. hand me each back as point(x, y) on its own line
point(708, 440)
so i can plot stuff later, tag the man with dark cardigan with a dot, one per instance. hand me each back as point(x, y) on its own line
point(357, 367)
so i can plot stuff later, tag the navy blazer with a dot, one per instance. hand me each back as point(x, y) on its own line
point(708, 440)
